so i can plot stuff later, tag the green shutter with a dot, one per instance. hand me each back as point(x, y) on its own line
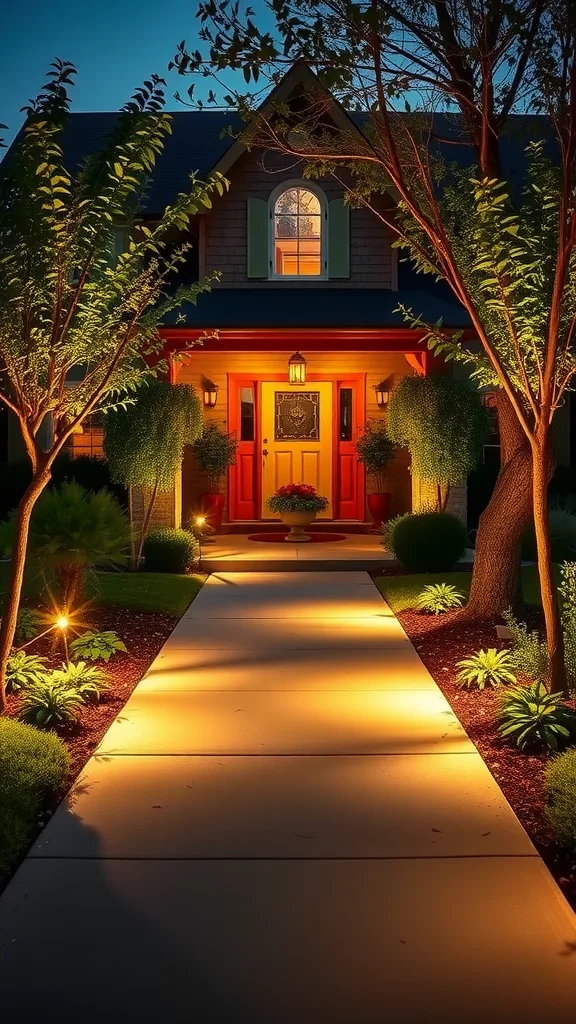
point(257, 238)
point(338, 239)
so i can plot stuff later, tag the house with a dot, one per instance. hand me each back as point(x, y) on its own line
point(304, 341)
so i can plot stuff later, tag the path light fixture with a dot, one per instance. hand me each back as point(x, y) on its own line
point(382, 394)
point(62, 623)
point(297, 369)
point(210, 394)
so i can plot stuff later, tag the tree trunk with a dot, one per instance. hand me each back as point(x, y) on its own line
point(146, 523)
point(18, 562)
point(550, 607)
point(496, 575)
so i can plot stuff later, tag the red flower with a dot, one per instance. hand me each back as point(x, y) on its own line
point(296, 491)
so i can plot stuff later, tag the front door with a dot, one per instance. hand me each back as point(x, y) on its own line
point(297, 438)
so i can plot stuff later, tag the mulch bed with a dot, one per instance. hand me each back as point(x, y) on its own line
point(441, 643)
point(144, 633)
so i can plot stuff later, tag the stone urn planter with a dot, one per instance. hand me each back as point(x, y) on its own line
point(297, 505)
point(297, 521)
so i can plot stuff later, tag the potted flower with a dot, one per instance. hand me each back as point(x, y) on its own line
point(215, 452)
point(297, 505)
point(375, 449)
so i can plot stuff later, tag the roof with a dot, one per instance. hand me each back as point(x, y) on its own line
point(313, 307)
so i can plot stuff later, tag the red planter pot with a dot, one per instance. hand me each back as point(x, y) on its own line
point(213, 509)
point(379, 508)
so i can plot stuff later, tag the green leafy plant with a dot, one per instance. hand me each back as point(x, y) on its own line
point(528, 654)
point(535, 719)
point(438, 597)
point(50, 704)
point(169, 550)
point(33, 769)
point(567, 592)
point(23, 669)
point(443, 424)
point(72, 531)
point(296, 498)
point(375, 450)
point(215, 452)
point(144, 443)
point(486, 668)
point(97, 646)
point(88, 681)
point(560, 790)
point(429, 541)
point(28, 625)
point(387, 530)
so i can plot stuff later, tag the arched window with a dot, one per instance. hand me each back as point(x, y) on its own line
point(298, 227)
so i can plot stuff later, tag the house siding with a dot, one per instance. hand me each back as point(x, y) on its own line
point(372, 259)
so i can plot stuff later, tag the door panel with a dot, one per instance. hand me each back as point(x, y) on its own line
point(297, 437)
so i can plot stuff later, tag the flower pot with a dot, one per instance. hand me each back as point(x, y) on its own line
point(297, 521)
point(379, 508)
point(213, 509)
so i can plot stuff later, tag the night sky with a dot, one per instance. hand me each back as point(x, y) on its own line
point(115, 45)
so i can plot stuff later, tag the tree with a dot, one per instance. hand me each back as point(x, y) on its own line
point(144, 444)
point(479, 61)
point(443, 424)
point(68, 313)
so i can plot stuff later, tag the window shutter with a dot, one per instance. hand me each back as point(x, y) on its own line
point(338, 239)
point(257, 238)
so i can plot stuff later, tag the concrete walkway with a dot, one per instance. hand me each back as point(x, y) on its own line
point(286, 825)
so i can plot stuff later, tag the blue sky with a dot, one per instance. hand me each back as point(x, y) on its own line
point(115, 45)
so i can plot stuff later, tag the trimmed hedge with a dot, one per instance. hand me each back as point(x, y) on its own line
point(33, 767)
point(429, 541)
point(168, 550)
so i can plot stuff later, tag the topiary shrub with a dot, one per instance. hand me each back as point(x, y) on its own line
point(560, 791)
point(167, 550)
point(429, 541)
point(33, 767)
point(215, 452)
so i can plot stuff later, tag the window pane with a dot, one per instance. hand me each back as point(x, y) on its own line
point(345, 414)
point(297, 234)
point(247, 418)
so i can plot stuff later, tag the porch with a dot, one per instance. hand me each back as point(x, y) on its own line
point(239, 552)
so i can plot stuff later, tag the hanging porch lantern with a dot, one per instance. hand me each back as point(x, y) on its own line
point(297, 369)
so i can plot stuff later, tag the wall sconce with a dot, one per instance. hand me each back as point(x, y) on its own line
point(297, 369)
point(210, 393)
point(382, 394)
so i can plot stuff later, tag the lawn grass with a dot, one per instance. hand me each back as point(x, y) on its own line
point(143, 591)
point(401, 591)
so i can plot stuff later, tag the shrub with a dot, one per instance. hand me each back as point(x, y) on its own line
point(529, 655)
point(89, 471)
point(33, 767)
point(168, 550)
point(97, 646)
point(560, 790)
point(88, 681)
point(23, 669)
point(567, 591)
point(387, 530)
point(296, 498)
point(486, 668)
point(438, 597)
point(72, 531)
point(375, 450)
point(535, 719)
point(442, 422)
point(50, 704)
point(429, 541)
point(562, 536)
point(215, 452)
